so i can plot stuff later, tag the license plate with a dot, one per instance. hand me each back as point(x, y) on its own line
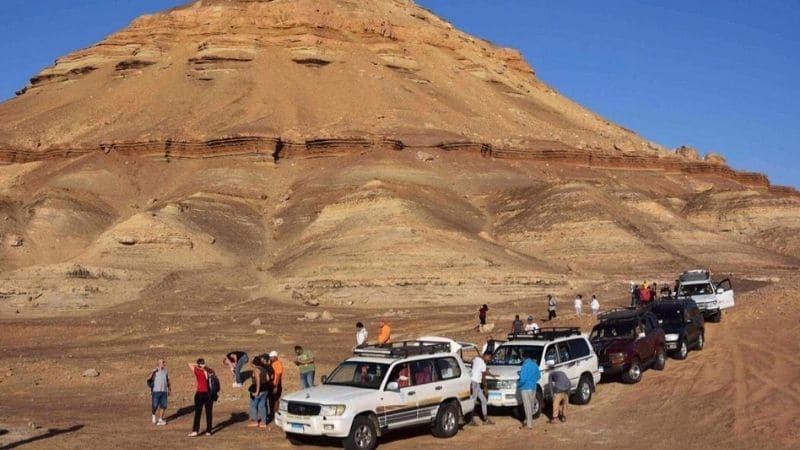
point(495, 396)
point(297, 427)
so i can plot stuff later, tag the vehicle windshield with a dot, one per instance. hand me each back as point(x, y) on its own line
point(689, 290)
point(365, 375)
point(513, 355)
point(614, 330)
point(669, 316)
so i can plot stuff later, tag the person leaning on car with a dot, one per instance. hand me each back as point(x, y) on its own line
point(559, 386)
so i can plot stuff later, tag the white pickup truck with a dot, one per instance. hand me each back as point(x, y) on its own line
point(711, 297)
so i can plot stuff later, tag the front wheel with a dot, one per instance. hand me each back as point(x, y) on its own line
point(683, 350)
point(362, 435)
point(634, 373)
point(701, 341)
point(717, 318)
point(661, 359)
point(446, 424)
point(583, 395)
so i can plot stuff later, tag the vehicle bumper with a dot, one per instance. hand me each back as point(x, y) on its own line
point(314, 425)
point(501, 398)
point(609, 369)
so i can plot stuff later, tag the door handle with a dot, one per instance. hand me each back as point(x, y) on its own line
point(438, 388)
point(411, 393)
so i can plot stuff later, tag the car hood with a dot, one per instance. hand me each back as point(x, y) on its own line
point(328, 394)
point(504, 372)
point(602, 346)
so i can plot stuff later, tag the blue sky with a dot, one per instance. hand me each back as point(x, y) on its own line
point(719, 75)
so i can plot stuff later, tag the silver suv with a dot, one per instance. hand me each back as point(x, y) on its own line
point(711, 297)
point(564, 349)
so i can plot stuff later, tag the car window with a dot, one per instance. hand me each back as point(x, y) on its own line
point(579, 348)
point(358, 374)
point(696, 289)
point(422, 372)
point(448, 368)
point(512, 355)
point(563, 352)
point(401, 374)
point(551, 354)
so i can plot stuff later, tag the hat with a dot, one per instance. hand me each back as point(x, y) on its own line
point(530, 317)
point(273, 354)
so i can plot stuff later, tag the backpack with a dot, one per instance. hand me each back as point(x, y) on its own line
point(213, 386)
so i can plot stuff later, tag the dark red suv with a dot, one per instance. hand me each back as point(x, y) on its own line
point(627, 341)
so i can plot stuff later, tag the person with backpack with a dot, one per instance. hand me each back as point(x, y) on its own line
point(158, 381)
point(204, 395)
point(236, 361)
point(259, 390)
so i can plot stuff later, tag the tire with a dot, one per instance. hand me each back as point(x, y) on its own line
point(717, 318)
point(701, 341)
point(363, 435)
point(583, 394)
point(683, 350)
point(634, 373)
point(660, 360)
point(446, 424)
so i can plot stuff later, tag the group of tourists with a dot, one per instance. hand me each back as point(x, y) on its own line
point(520, 327)
point(594, 305)
point(646, 293)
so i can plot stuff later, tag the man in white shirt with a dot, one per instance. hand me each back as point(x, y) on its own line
point(595, 305)
point(531, 327)
point(361, 334)
point(479, 372)
point(578, 305)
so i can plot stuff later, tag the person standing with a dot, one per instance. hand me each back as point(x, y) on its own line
point(483, 314)
point(236, 361)
point(361, 335)
point(202, 397)
point(529, 376)
point(595, 305)
point(578, 305)
point(259, 390)
point(644, 295)
point(551, 307)
point(517, 327)
point(305, 362)
point(531, 327)
point(559, 387)
point(478, 379)
point(159, 382)
point(277, 383)
point(384, 332)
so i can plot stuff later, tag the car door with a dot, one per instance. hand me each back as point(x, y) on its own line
point(398, 407)
point(725, 294)
point(428, 389)
point(567, 363)
point(550, 354)
point(690, 324)
point(647, 344)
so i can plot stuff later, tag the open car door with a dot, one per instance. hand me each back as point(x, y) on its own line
point(725, 294)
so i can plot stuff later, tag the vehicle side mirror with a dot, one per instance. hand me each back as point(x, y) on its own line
point(393, 386)
point(550, 363)
point(720, 291)
point(324, 379)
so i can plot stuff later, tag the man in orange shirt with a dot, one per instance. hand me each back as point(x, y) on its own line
point(277, 382)
point(384, 332)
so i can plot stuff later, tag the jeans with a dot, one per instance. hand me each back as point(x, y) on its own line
point(528, 397)
point(202, 399)
point(237, 369)
point(159, 401)
point(258, 407)
point(477, 394)
point(307, 379)
point(273, 400)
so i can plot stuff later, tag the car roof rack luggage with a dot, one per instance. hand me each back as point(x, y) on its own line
point(545, 334)
point(402, 349)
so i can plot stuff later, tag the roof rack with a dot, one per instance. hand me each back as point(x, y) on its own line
point(545, 334)
point(402, 349)
point(627, 312)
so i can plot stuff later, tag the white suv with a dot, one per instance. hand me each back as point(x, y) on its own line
point(711, 297)
point(382, 389)
point(564, 349)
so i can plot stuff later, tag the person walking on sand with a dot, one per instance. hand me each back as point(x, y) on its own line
point(202, 397)
point(160, 390)
point(551, 307)
point(478, 379)
point(361, 335)
point(236, 361)
point(529, 375)
point(483, 314)
point(517, 327)
point(559, 386)
point(305, 362)
point(277, 383)
point(595, 305)
point(384, 332)
point(578, 305)
point(259, 389)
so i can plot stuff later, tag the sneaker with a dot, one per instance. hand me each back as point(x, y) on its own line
point(263, 425)
point(488, 421)
point(154, 418)
point(193, 434)
point(161, 422)
point(252, 424)
point(237, 385)
point(207, 433)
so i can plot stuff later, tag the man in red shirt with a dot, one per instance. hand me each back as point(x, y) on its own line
point(202, 398)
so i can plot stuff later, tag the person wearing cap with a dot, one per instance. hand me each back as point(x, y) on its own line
point(384, 332)
point(277, 383)
point(202, 398)
point(361, 334)
point(531, 326)
point(305, 362)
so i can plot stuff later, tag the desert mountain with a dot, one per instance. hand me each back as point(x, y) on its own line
point(346, 151)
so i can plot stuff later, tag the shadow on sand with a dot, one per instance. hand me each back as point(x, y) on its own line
point(51, 432)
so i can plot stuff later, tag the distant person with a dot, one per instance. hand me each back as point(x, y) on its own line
point(531, 326)
point(160, 390)
point(636, 297)
point(644, 295)
point(277, 382)
point(666, 293)
point(478, 379)
point(202, 397)
point(653, 292)
point(559, 386)
point(578, 305)
point(517, 327)
point(305, 362)
point(551, 307)
point(236, 361)
point(259, 390)
point(529, 375)
point(595, 305)
point(361, 335)
point(489, 346)
point(483, 314)
point(384, 332)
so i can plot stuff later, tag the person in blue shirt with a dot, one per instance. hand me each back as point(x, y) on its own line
point(529, 376)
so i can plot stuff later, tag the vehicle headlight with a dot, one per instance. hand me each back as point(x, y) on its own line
point(616, 358)
point(284, 405)
point(671, 337)
point(332, 410)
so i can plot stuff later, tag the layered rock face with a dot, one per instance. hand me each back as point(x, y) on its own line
point(350, 151)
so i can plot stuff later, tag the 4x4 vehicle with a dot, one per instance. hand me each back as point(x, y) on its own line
point(683, 325)
point(382, 389)
point(628, 340)
point(564, 349)
point(711, 297)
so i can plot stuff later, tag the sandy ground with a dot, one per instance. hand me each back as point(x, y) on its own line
point(742, 391)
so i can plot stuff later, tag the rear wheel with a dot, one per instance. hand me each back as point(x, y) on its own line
point(583, 395)
point(661, 359)
point(446, 424)
point(701, 341)
point(634, 373)
point(362, 435)
point(683, 349)
point(717, 318)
